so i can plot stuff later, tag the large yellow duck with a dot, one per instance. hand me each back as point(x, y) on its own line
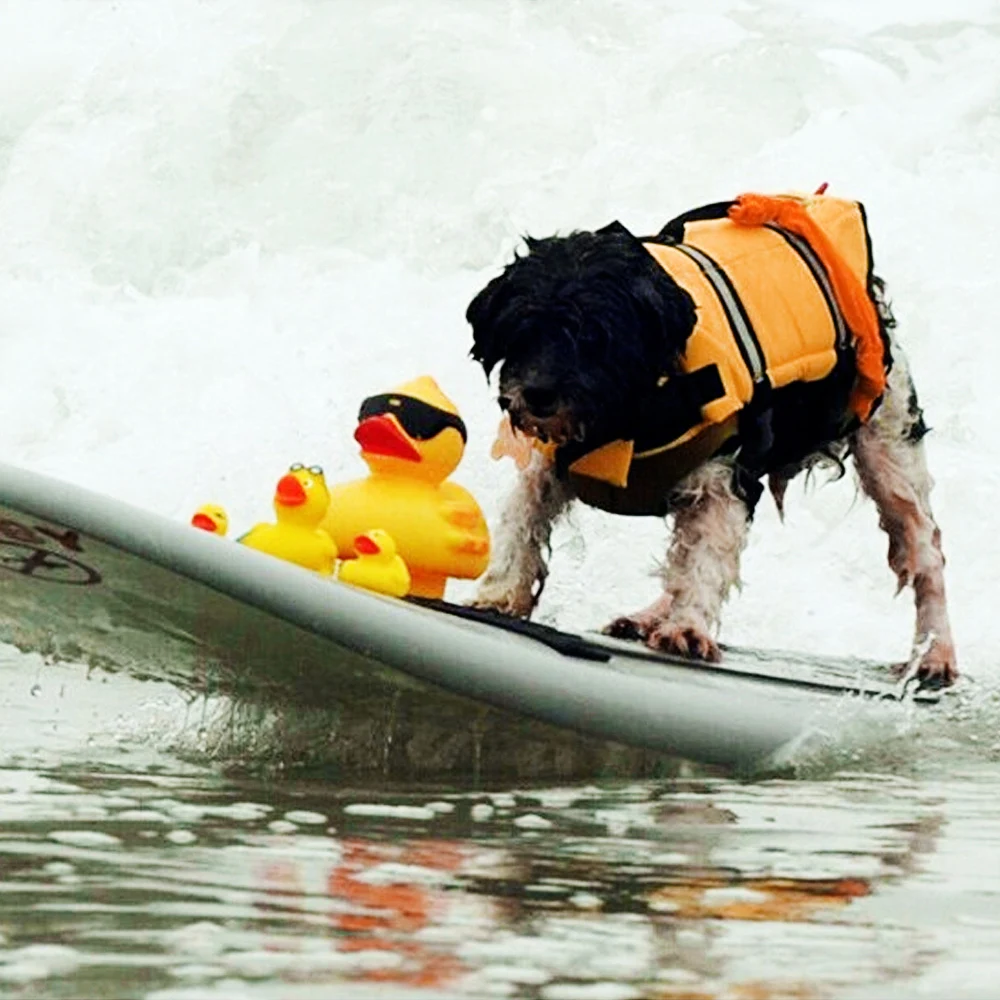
point(300, 502)
point(377, 566)
point(412, 439)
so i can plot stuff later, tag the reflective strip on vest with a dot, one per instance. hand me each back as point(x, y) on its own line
point(738, 320)
point(806, 252)
point(765, 305)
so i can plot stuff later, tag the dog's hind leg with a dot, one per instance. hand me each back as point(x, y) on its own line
point(516, 575)
point(711, 523)
point(892, 470)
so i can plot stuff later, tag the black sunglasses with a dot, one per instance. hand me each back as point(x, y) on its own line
point(419, 419)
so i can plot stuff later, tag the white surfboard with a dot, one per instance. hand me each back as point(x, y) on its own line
point(88, 579)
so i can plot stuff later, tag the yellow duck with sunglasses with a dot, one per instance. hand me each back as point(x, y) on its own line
point(412, 438)
point(301, 499)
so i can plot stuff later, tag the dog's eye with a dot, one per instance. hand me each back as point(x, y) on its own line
point(540, 400)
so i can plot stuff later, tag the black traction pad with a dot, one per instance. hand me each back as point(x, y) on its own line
point(561, 642)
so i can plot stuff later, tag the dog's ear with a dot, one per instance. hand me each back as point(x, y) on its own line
point(669, 314)
point(666, 311)
point(483, 314)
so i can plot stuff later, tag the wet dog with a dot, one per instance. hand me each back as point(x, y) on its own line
point(670, 375)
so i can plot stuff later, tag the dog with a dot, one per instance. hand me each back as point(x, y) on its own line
point(669, 375)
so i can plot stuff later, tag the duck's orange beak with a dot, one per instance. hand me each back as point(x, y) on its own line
point(366, 546)
point(381, 435)
point(204, 522)
point(290, 492)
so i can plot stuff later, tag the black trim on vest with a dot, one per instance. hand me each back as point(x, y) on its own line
point(870, 286)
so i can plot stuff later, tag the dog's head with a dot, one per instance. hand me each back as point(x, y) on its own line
point(582, 327)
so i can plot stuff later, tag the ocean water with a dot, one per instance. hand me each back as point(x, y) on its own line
point(223, 225)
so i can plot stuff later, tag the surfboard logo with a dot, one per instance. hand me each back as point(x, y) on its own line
point(27, 550)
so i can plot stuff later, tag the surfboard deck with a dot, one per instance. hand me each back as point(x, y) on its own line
point(88, 579)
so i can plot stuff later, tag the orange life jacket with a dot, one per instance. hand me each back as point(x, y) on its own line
point(781, 290)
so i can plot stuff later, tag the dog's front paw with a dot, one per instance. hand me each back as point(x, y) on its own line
point(626, 628)
point(515, 603)
point(684, 640)
point(640, 624)
point(938, 667)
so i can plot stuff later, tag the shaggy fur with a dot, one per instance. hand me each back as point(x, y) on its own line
point(581, 327)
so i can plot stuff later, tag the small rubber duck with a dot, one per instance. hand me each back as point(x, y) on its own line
point(300, 502)
point(377, 566)
point(412, 438)
point(212, 518)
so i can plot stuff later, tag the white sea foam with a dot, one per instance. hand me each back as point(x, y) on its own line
point(84, 838)
point(305, 817)
point(388, 811)
point(222, 225)
point(38, 961)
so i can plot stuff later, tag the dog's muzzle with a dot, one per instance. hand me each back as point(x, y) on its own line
point(541, 413)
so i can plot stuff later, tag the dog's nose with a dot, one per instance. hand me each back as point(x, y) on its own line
point(505, 402)
point(540, 401)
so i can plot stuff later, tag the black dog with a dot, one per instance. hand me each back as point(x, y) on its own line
point(669, 375)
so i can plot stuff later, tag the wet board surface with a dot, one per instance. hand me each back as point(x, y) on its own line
point(85, 578)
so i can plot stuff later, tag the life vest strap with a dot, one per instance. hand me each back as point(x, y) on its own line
point(651, 478)
point(663, 418)
point(674, 408)
point(673, 231)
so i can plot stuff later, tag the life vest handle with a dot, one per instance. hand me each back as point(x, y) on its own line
point(673, 231)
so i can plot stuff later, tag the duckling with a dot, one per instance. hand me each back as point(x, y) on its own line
point(212, 518)
point(377, 566)
point(300, 502)
point(412, 438)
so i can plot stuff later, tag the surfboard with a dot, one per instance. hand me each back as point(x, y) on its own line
point(88, 579)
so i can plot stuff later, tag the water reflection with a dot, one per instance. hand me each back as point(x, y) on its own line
point(180, 886)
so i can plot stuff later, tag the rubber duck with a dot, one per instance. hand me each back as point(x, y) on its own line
point(412, 438)
point(212, 518)
point(377, 566)
point(300, 502)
